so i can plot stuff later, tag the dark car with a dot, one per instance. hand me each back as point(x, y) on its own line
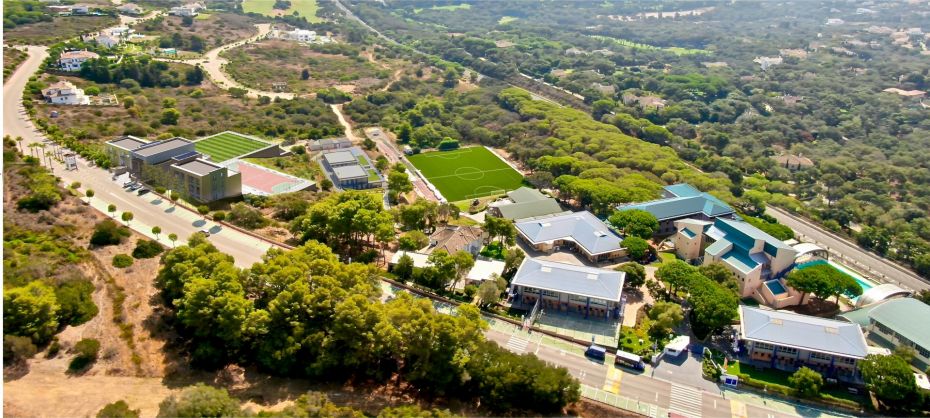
point(596, 352)
point(143, 191)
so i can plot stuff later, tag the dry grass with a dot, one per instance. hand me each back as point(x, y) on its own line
point(219, 29)
point(47, 33)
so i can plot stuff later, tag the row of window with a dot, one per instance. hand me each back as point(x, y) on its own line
point(572, 298)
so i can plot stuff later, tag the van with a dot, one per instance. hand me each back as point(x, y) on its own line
point(596, 352)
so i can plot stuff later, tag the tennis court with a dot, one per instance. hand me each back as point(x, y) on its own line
point(226, 145)
point(467, 173)
point(263, 181)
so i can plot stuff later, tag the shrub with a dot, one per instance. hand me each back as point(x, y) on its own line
point(146, 249)
point(53, 348)
point(470, 291)
point(122, 261)
point(108, 232)
point(806, 382)
point(118, 409)
point(75, 302)
point(17, 349)
point(87, 350)
point(246, 217)
point(219, 216)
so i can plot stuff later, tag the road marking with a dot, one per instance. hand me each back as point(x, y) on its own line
point(517, 345)
point(653, 411)
point(612, 382)
point(685, 401)
point(738, 409)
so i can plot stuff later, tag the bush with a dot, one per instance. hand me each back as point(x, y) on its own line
point(118, 409)
point(122, 261)
point(219, 216)
point(806, 382)
point(87, 350)
point(53, 348)
point(17, 349)
point(108, 232)
point(146, 249)
point(75, 302)
point(246, 217)
point(470, 291)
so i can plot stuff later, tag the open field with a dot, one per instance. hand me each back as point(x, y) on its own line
point(260, 64)
point(449, 8)
point(59, 29)
point(304, 8)
point(630, 44)
point(226, 145)
point(467, 173)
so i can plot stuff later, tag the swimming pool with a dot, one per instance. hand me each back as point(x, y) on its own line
point(776, 287)
point(865, 283)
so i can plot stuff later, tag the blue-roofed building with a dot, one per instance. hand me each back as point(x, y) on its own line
point(682, 201)
point(787, 341)
point(757, 260)
point(581, 231)
point(588, 291)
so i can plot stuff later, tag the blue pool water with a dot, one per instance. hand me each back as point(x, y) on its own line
point(776, 287)
point(865, 283)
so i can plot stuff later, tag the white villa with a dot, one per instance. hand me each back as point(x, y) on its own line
point(72, 60)
point(300, 35)
point(65, 93)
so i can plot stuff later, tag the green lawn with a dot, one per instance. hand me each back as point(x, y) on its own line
point(305, 8)
point(226, 145)
point(467, 173)
point(664, 257)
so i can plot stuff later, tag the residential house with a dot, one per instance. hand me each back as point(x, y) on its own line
point(106, 40)
point(575, 231)
point(682, 201)
point(757, 260)
point(788, 341)
point(72, 60)
point(894, 323)
point(65, 93)
point(794, 162)
point(183, 11)
point(524, 203)
point(80, 9)
point(129, 9)
point(561, 287)
point(454, 238)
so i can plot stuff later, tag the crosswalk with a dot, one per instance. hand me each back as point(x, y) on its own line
point(517, 344)
point(612, 383)
point(686, 401)
point(738, 409)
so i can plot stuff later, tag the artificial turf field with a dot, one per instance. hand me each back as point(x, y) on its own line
point(226, 145)
point(467, 173)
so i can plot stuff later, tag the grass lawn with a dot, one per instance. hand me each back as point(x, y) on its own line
point(226, 145)
point(304, 8)
point(295, 165)
point(467, 173)
point(773, 376)
point(664, 257)
point(494, 250)
point(202, 16)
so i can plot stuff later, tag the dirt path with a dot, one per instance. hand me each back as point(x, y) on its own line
point(346, 126)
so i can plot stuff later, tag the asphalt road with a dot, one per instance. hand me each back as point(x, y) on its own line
point(148, 210)
point(878, 267)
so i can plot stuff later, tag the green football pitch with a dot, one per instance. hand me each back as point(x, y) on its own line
point(221, 147)
point(467, 173)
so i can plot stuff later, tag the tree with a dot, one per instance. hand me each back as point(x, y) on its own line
point(823, 280)
point(30, 311)
point(635, 275)
point(442, 269)
point(87, 351)
point(203, 210)
point(174, 197)
point(713, 306)
point(489, 293)
point(305, 74)
point(200, 400)
point(890, 378)
point(399, 182)
point(719, 274)
point(413, 240)
point(194, 76)
point(156, 230)
point(170, 116)
point(242, 215)
point(500, 228)
point(326, 184)
point(108, 232)
point(112, 209)
point(127, 217)
point(665, 316)
point(172, 237)
point(676, 275)
point(404, 267)
point(75, 302)
point(806, 382)
point(635, 222)
point(90, 194)
point(118, 409)
point(636, 247)
point(464, 261)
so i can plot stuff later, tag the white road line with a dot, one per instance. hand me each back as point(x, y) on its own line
point(517, 345)
point(685, 401)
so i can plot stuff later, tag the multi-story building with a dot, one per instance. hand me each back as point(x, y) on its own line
point(581, 231)
point(120, 150)
point(897, 322)
point(562, 287)
point(787, 341)
point(682, 201)
point(351, 169)
point(757, 260)
point(205, 181)
point(72, 60)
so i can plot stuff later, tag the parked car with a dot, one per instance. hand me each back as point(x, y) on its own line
point(596, 352)
point(143, 191)
point(205, 231)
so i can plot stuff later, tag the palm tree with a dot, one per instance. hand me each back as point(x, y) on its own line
point(19, 140)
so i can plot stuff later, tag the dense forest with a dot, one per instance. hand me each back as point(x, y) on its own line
point(728, 97)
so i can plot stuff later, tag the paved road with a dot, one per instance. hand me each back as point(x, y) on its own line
point(875, 266)
point(148, 210)
point(386, 147)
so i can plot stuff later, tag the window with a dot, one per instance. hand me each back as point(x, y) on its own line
point(788, 350)
point(763, 346)
point(846, 360)
point(578, 299)
point(530, 290)
point(596, 301)
point(820, 356)
point(883, 329)
point(922, 351)
point(550, 293)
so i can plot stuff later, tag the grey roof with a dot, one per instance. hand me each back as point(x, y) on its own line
point(523, 210)
point(526, 194)
point(570, 279)
point(128, 142)
point(581, 227)
point(803, 332)
point(349, 172)
point(339, 157)
point(161, 146)
point(199, 167)
point(905, 316)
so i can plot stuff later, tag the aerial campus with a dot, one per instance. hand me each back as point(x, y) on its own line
point(465, 208)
